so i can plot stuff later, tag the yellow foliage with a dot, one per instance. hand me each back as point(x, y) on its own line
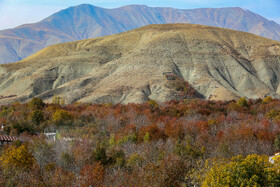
point(253, 170)
point(17, 158)
point(242, 102)
point(135, 159)
point(212, 122)
point(153, 103)
point(268, 99)
point(272, 113)
point(60, 116)
point(58, 100)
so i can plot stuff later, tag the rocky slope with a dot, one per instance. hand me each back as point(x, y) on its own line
point(87, 21)
point(221, 64)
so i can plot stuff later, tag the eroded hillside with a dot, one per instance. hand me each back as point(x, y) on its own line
point(221, 64)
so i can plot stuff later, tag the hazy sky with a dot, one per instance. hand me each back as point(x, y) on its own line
point(17, 12)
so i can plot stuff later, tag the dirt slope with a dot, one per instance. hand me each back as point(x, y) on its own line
point(221, 64)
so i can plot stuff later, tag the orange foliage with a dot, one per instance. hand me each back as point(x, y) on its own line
point(92, 175)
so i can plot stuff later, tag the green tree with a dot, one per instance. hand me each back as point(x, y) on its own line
point(277, 143)
point(36, 103)
point(67, 161)
point(135, 160)
point(58, 100)
point(146, 137)
point(36, 117)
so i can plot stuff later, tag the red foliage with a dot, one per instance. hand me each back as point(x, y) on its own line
point(202, 125)
point(220, 135)
point(174, 130)
point(154, 132)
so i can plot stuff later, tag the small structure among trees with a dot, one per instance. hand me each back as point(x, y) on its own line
point(6, 139)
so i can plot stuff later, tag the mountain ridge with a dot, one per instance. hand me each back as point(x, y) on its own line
point(88, 21)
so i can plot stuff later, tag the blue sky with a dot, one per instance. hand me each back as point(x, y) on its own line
point(17, 12)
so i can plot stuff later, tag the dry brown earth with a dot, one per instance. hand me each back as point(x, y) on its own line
point(221, 64)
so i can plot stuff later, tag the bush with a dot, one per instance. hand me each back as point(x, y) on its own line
point(135, 160)
point(268, 99)
point(92, 175)
point(17, 158)
point(153, 131)
point(153, 103)
point(36, 103)
point(58, 100)
point(272, 114)
point(62, 117)
point(36, 117)
point(254, 170)
point(242, 102)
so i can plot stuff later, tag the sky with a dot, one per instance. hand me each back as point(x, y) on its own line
point(17, 12)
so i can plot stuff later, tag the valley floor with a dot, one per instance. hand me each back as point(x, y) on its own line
point(176, 143)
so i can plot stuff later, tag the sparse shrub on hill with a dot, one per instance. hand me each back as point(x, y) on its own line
point(268, 99)
point(153, 103)
point(242, 102)
point(184, 89)
point(58, 100)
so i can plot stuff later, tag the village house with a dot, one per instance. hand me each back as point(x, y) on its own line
point(4, 139)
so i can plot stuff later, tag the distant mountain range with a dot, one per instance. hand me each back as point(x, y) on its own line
point(221, 64)
point(87, 21)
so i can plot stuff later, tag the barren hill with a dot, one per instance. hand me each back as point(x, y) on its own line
point(87, 21)
point(221, 64)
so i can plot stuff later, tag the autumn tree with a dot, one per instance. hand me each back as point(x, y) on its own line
point(62, 117)
point(36, 117)
point(242, 102)
point(36, 103)
point(92, 175)
point(253, 170)
point(17, 158)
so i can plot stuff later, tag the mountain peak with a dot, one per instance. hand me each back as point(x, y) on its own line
point(82, 6)
point(87, 21)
